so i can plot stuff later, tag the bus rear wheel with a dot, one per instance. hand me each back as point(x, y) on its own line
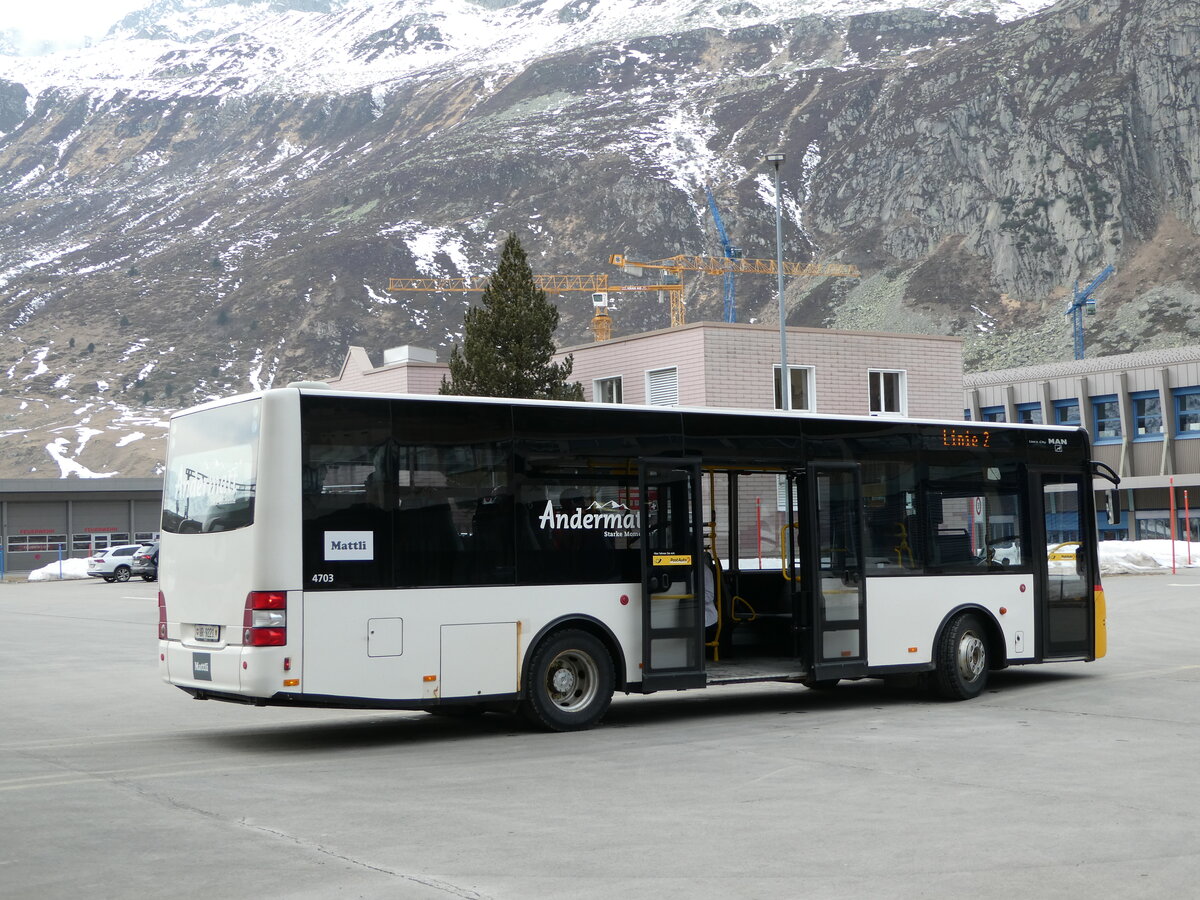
point(962, 659)
point(570, 682)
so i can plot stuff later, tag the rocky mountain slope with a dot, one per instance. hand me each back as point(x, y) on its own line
point(213, 198)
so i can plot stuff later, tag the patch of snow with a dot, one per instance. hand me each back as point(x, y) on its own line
point(67, 466)
point(1141, 557)
point(61, 570)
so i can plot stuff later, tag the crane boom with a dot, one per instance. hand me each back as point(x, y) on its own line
point(1083, 300)
point(730, 251)
point(719, 265)
point(552, 283)
point(555, 284)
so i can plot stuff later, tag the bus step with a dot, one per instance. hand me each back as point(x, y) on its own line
point(742, 671)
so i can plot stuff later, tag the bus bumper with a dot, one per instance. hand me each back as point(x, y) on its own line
point(253, 672)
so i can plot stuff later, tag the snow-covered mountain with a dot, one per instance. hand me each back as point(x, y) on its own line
point(213, 197)
point(239, 47)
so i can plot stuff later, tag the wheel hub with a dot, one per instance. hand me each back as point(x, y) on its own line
point(971, 656)
point(571, 680)
point(563, 681)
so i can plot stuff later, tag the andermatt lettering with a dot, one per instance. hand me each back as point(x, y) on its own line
point(610, 517)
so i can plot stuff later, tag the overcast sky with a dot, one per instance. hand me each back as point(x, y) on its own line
point(67, 21)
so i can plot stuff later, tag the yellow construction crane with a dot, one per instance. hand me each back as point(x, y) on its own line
point(553, 284)
point(720, 265)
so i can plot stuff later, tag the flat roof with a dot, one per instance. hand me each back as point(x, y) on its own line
point(1142, 359)
point(746, 326)
point(80, 485)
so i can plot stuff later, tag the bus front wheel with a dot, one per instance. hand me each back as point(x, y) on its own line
point(570, 682)
point(962, 659)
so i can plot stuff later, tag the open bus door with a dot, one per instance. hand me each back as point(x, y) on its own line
point(1065, 571)
point(833, 598)
point(672, 574)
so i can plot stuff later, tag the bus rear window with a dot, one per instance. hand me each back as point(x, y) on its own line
point(211, 470)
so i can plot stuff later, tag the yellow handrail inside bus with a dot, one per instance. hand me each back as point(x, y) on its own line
point(783, 566)
point(903, 547)
point(719, 575)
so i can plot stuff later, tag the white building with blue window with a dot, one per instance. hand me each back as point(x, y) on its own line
point(1143, 412)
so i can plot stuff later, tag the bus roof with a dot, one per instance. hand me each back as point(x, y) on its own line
point(321, 389)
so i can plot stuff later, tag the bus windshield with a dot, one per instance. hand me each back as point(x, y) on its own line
point(211, 470)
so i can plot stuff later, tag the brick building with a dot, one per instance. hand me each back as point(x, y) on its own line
point(733, 366)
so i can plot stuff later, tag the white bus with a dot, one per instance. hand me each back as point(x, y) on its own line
point(458, 555)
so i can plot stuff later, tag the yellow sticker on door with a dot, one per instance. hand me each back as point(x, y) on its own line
point(664, 559)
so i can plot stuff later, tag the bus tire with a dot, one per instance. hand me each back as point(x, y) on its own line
point(121, 573)
point(570, 682)
point(962, 660)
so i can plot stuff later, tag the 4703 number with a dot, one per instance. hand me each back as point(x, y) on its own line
point(322, 578)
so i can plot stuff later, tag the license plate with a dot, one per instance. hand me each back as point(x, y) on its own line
point(208, 632)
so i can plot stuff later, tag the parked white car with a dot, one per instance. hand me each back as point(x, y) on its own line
point(113, 564)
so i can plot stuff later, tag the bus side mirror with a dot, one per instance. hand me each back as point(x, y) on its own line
point(1112, 506)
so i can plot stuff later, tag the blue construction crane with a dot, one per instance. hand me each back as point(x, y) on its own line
point(730, 251)
point(1084, 301)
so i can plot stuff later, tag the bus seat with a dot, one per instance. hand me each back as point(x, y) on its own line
point(953, 547)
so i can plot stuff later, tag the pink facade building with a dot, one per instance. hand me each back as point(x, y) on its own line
point(732, 366)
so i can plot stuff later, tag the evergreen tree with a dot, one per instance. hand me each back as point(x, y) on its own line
point(508, 339)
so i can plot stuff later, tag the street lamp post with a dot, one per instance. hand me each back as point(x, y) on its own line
point(785, 380)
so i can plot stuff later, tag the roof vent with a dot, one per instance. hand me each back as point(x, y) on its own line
point(409, 354)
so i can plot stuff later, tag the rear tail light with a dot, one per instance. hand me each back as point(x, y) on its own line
point(162, 617)
point(265, 620)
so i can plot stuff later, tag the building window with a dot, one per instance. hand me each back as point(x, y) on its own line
point(992, 414)
point(38, 543)
point(887, 393)
point(800, 380)
point(1147, 416)
point(1107, 413)
point(1029, 413)
point(662, 387)
point(607, 390)
point(966, 415)
point(1066, 412)
point(1187, 412)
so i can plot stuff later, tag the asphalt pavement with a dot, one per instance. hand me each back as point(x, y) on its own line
point(1060, 781)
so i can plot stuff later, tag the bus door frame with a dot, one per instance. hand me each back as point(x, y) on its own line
point(1043, 618)
point(844, 578)
point(672, 573)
